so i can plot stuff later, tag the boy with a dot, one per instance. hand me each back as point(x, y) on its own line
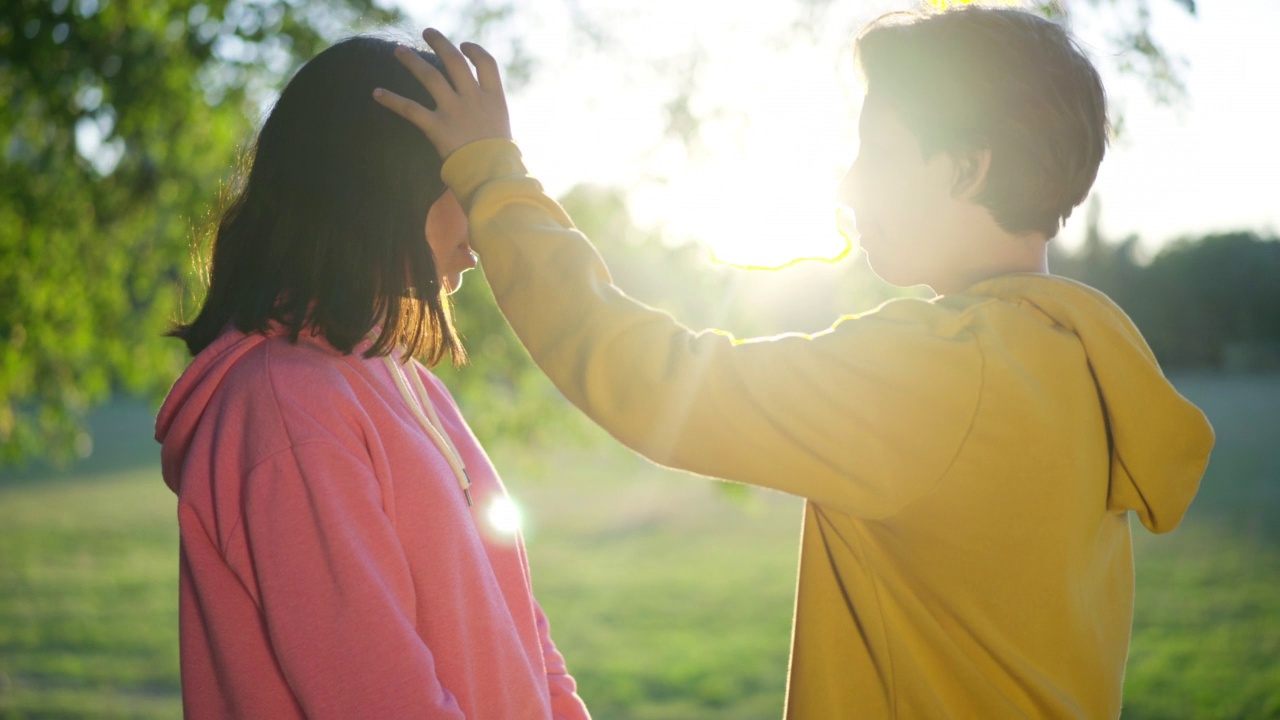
point(968, 462)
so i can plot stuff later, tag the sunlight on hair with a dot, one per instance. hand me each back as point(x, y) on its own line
point(504, 515)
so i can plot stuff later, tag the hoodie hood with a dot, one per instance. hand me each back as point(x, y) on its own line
point(196, 389)
point(1160, 441)
point(190, 396)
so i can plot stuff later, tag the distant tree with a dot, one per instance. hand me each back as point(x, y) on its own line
point(1207, 297)
point(1202, 303)
point(1112, 267)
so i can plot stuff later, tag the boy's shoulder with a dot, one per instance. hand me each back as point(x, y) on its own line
point(943, 316)
point(1053, 299)
point(1020, 304)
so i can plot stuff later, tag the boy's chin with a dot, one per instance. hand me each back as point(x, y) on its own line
point(894, 273)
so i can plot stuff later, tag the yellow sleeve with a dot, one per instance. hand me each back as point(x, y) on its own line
point(865, 416)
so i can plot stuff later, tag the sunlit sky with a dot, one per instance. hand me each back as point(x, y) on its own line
point(779, 112)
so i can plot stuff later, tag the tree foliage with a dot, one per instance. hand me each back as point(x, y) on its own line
point(120, 122)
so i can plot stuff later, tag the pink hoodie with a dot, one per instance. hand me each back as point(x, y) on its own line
point(330, 566)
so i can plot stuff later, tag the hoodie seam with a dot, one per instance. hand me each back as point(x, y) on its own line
point(879, 603)
point(291, 449)
point(964, 440)
point(284, 427)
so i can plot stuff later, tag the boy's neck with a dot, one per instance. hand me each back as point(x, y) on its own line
point(992, 254)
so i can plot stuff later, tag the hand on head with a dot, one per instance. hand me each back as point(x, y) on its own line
point(469, 107)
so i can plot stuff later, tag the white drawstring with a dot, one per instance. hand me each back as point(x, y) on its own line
point(430, 422)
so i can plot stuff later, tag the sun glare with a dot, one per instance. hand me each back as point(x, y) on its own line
point(775, 127)
point(744, 220)
point(760, 187)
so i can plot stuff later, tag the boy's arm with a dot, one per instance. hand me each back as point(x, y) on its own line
point(865, 416)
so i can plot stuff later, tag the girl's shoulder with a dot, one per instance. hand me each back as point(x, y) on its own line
point(298, 391)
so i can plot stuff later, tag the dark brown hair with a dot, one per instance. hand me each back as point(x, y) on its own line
point(1000, 79)
point(326, 233)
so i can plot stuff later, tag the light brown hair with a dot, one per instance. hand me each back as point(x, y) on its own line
point(1002, 79)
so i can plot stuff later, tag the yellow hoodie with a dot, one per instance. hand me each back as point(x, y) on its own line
point(968, 462)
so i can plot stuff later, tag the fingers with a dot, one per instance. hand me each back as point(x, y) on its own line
point(404, 107)
point(486, 66)
point(466, 109)
point(425, 72)
point(454, 62)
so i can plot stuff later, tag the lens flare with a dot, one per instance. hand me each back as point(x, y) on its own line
point(504, 515)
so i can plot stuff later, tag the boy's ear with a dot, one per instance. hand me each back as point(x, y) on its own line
point(971, 165)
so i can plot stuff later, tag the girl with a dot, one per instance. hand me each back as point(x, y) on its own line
point(334, 557)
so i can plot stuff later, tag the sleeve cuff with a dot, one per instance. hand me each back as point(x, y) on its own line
point(476, 163)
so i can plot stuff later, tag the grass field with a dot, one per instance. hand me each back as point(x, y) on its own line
point(669, 599)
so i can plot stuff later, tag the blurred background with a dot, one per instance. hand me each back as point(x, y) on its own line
point(693, 140)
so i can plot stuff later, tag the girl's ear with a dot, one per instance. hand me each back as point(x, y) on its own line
point(971, 167)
